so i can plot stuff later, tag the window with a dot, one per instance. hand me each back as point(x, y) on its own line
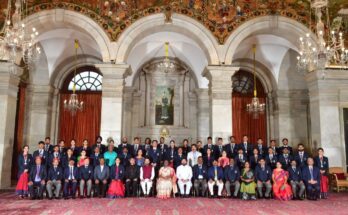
point(243, 83)
point(86, 81)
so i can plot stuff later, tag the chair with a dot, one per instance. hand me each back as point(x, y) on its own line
point(338, 178)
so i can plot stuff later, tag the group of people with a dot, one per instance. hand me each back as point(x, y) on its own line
point(244, 170)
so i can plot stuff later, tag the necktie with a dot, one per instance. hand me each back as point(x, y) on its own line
point(301, 156)
point(220, 148)
point(55, 169)
point(71, 173)
point(37, 170)
point(215, 172)
point(311, 172)
point(263, 168)
point(294, 169)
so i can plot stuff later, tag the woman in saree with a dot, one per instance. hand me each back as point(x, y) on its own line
point(81, 159)
point(116, 188)
point(322, 163)
point(25, 160)
point(281, 188)
point(166, 182)
point(248, 183)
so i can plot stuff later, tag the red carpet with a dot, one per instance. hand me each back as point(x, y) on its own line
point(9, 204)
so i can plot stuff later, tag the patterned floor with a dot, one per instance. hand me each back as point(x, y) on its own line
point(9, 204)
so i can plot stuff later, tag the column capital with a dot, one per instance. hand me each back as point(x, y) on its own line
point(114, 71)
point(218, 72)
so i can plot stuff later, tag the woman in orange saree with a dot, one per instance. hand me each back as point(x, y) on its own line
point(166, 182)
point(281, 188)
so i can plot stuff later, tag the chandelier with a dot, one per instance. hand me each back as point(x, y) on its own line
point(16, 41)
point(255, 107)
point(73, 104)
point(320, 54)
point(166, 65)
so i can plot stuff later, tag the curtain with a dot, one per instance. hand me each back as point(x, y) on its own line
point(244, 123)
point(84, 124)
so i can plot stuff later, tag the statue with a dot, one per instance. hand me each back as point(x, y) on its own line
point(164, 114)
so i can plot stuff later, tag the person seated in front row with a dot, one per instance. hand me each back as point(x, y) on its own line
point(71, 175)
point(232, 176)
point(116, 187)
point(248, 183)
point(147, 174)
point(240, 159)
point(132, 178)
point(86, 177)
point(101, 176)
point(311, 178)
point(54, 179)
point(295, 178)
point(166, 182)
point(37, 177)
point(281, 188)
point(200, 177)
point(215, 177)
point(263, 176)
point(184, 175)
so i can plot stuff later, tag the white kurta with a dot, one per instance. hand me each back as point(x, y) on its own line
point(184, 173)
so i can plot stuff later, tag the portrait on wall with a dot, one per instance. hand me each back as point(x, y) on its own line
point(164, 105)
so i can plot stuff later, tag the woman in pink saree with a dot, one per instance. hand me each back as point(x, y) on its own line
point(166, 182)
point(281, 188)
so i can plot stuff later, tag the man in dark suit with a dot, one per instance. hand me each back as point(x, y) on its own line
point(101, 176)
point(86, 178)
point(41, 153)
point(232, 176)
point(273, 145)
point(271, 159)
point(219, 147)
point(263, 176)
point(163, 147)
point(136, 146)
point(95, 156)
point(102, 148)
point(285, 142)
point(311, 178)
point(215, 177)
point(64, 163)
point(295, 178)
point(200, 175)
point(132, 174)
point(54, 155)
point(231, 148)
point(37, 179)
point(71, 176)
point(155, 154)
point(178, 158)
point(262, 149)
point(54, 179)
point(48, 147)
point(124, 144)
point(240, 159)
point(125, 156)
point(208, 145)
point(246, 146)
point(285, 158)
point(301, 156)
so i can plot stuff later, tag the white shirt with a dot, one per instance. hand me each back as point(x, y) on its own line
point(101, 168)
point(184, 172)
point(192, 157)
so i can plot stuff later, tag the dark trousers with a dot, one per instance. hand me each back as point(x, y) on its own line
point(70, 188)
point(200, 183)
point(100, 189)
point(131, 187)
point(313, 191)
point(40, 189)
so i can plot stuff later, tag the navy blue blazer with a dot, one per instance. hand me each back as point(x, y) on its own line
point(44, 156)
point(240, 162)
point(186, 150)
point(263, 175)
point(65, 161)
point(51, 157)
point(33, 171)
point(48, 148)
point(271, 162)
point(95, 159)
point(262, 150)
point(102, 148)
point(88, 151)
point(218, 151)
point(55, 174)
point(306, 175)
point(211, 173)
point(134, 151)
point(199, 171)
point(300, 163)
point(232, 173)
point(86, 173)
point(281, 148)
point(285, 162)
point(322, 165)
point(124, 158)
point(205, 148)
point(67, 173)
point(295, 175)
point(177, 160)
point(231, 150)
point(23, 165)
point(155, 155)
point(248, 150)
point(253, 161)
point(121, 172)
point(171, 153)
point(121, 146)
point(208, 161)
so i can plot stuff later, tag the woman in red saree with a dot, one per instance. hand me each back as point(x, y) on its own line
point(25, 161)
point(116, 188)
point(224, 160)
point(322, 163)
point(166, 182)
point(281, 188)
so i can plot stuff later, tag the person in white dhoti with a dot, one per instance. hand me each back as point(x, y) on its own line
point(192, 156)
point(184, 175)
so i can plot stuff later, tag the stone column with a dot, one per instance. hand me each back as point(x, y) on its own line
point(8, 106)
point(220, 91)
point(327, 99)
point(203, 114)
point(112, 99)
point(39, 114)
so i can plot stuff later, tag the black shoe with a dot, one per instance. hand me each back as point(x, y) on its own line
point(57, 198)
point(32, 198)
point(74, 197)
point(50, 198)
point(89, 196)
point(66, 198)
point(81, 197)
